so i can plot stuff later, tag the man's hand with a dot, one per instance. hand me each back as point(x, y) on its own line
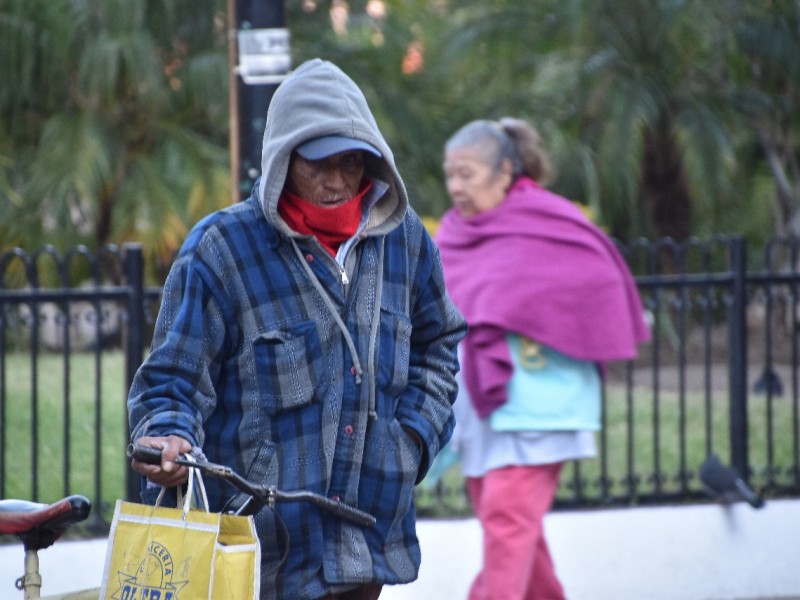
point(168, 474)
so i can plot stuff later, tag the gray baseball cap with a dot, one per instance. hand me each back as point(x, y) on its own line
point(328, 145)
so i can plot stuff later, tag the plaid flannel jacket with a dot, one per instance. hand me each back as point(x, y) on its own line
point(248, 363)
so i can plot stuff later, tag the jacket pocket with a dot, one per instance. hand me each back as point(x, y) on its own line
point(289, 367)
point(394, 353)
point(389, 473)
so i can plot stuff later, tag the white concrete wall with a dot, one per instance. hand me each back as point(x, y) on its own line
point(703, 552)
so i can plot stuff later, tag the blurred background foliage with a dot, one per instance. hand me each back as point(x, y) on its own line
point(663, 117)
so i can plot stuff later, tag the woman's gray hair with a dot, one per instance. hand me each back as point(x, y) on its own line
point(509, 139)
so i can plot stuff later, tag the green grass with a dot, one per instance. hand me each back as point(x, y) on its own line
point(656, 451)
point(701, 421)
point(66, 425)
point(653, 440)
point(653, 454)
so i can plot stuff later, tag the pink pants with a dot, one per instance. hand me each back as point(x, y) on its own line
point(510, 504)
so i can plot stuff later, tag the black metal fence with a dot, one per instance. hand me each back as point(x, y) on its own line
point(718, 377)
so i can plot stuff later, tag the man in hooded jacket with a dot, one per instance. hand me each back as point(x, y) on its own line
point(306, 340)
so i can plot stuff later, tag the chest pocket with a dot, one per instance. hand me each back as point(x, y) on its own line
point(289, 367)
point(394, 354)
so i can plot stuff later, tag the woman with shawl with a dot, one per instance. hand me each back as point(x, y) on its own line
point(548, 300)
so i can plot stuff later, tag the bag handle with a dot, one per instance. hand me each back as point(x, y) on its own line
point(199, 489)
point(195, 488)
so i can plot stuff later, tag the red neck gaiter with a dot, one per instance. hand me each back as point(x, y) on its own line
point(331, 226)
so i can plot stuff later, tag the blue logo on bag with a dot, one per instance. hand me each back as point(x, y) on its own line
point(153, 578)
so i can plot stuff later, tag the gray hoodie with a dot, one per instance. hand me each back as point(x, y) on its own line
point(315, 100)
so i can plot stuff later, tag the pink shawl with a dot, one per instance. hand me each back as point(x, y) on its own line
point(535, 265)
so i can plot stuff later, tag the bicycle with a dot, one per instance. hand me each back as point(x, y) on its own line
point(40, 525)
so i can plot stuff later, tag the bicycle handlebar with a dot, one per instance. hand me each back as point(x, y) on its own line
point(268, 495)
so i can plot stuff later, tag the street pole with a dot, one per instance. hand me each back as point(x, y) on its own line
point(258, 63)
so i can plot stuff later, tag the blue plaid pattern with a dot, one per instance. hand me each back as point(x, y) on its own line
point(248, 363)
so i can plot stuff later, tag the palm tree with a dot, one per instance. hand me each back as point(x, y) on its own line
point(763, 83)
point(648, 110)
point(622, 92)
point(666, 116)
point(114, 120)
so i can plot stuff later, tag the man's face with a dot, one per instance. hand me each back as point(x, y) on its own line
point(327, 182)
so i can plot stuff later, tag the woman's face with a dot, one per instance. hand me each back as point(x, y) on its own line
point(327, 182)
point(473, 185)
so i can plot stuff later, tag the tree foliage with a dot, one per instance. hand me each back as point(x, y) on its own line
point(113, 120)
point(764, 85)
point(644, 104)
point(666, 117)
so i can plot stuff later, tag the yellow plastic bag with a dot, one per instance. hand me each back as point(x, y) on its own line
point(159, 553)
point(237, 563)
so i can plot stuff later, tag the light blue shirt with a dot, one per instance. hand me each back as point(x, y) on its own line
point(548, 391)
point(481, 448)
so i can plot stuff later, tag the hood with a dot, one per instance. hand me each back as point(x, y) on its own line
point(315, 100)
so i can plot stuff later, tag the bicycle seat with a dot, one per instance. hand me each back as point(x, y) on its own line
point(39, 525)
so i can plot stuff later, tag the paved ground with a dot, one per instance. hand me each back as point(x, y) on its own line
point(69, 566)
point(704, 552)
